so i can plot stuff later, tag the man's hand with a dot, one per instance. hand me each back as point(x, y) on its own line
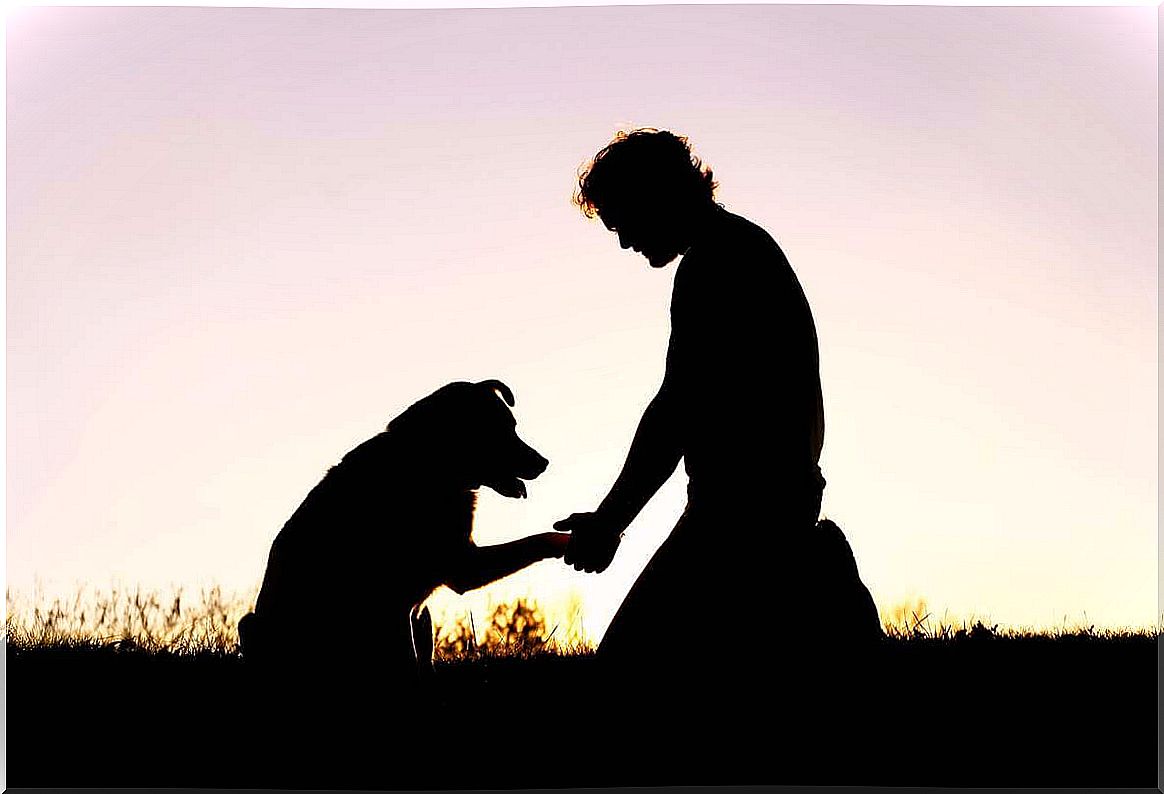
point(593, 541)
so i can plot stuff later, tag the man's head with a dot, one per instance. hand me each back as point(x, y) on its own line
point(648, 188)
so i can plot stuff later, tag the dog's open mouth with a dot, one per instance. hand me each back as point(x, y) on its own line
point(512, 487)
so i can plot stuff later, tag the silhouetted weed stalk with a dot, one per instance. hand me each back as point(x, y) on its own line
point(208, 624)
point(515, 629)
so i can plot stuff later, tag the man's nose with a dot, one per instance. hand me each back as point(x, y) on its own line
point(623, 241)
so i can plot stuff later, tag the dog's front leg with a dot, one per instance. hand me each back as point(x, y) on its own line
point(478, 566)
point(422, 640)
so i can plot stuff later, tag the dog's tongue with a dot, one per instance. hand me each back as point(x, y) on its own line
point(514, 489)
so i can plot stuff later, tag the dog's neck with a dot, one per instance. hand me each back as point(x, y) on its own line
point(427, 467)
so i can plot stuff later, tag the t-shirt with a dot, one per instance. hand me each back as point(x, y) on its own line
point(743, 363)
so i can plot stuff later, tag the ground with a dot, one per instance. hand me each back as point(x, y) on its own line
point(984, 710)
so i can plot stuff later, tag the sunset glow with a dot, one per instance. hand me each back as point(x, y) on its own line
point(241, 240)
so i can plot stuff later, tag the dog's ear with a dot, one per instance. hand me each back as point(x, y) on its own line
point(499, 387)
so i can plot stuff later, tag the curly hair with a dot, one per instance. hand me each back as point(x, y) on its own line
point(644, 156)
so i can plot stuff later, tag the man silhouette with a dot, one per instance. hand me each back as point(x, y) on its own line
point(740, 404)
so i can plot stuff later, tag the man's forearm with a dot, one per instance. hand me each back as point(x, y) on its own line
point(653, 456)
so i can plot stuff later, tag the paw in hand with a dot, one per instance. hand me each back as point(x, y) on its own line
point(556, 543)
point(593, 541)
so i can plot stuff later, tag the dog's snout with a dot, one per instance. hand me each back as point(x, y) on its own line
point(528, 460)
point(533, 461)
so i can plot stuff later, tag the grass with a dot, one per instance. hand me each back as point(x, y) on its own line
point(171, 623)
point(136, 689)
point(177, 623)
point(207, 623)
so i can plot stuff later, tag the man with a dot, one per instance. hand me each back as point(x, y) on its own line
point(740, 404)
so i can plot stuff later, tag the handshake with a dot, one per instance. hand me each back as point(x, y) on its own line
point(586, 541)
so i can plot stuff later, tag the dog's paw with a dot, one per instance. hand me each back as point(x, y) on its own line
point(422, 639)
point(556, 543)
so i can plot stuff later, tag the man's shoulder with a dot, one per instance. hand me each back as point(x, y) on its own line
point(733, 241)
point(743, 232)
point(729, 233)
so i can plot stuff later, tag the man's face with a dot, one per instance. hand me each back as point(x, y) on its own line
point(651, 233)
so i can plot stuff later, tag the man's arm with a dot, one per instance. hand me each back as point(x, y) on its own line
point(654, 454)
point(478, 566)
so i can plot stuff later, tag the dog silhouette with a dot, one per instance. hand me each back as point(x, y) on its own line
point(348, 572)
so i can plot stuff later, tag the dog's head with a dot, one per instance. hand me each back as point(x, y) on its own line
point(469, 431)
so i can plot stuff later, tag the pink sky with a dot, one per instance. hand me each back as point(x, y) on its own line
point(240, 240)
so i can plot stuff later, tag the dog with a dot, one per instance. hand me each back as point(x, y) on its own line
point(389, 524)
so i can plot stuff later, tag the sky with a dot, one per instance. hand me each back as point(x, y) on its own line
point(239, 241)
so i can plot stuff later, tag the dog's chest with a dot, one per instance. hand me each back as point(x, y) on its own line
point(374, 542)
point(421, 534)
